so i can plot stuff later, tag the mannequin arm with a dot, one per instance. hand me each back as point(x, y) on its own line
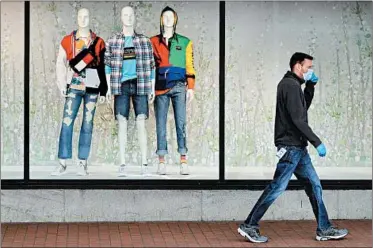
point(190, 71)
point(107, 59)
point(61, 69)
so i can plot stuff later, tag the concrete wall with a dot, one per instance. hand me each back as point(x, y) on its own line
point(170, 205)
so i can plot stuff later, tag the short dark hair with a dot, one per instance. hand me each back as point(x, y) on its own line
point(298, 58)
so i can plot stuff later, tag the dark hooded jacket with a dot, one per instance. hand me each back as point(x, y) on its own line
point(291, 123)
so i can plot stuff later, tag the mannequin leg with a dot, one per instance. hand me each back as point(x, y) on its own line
point(122, 137)
point(121, 110)
point(142, 137)
point(70, 111)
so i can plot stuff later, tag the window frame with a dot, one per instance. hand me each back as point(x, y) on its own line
point(161, 184)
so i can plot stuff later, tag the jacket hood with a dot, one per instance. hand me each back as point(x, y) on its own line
point(161, 26)
point(290, 74)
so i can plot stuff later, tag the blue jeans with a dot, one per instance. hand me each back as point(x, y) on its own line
point(122, 102)
point(70, 111)
point(296, 160)
point(161, 104)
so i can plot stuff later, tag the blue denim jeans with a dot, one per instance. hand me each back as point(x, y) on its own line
point(296, 160)
point(177, 95)
point(70, 111)
point(122, 102)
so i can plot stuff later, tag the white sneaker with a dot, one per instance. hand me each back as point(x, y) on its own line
point(122, 170)
point(184, 169)
point(60, 170)
point(161, 169)
point(82, 169)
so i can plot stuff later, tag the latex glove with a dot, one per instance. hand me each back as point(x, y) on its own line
point(310, 76)
point(314, 79)
point(63, 93)
point(102, 99)
point(190, 95)
point(321, 149)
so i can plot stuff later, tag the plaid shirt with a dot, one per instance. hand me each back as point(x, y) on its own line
point(144, 62)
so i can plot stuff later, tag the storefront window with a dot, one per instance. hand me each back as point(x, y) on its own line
point(198, 129)
point(12, 90)
point(261, 37)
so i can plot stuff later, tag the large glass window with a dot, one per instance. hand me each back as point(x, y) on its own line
point(261, 37)
point(51, 21)
point(12, 90)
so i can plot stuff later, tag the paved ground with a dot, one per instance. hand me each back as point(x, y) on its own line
point(177, 234)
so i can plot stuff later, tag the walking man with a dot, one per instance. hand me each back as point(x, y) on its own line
point(292, 133)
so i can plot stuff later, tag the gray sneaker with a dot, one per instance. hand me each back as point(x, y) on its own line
point(331, 233)
point(251, 233)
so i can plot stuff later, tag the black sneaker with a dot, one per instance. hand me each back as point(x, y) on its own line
point(252, 234)
point(331, 233)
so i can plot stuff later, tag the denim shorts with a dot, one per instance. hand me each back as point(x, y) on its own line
point(122, 102)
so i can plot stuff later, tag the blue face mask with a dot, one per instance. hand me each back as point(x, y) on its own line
point(307, 76)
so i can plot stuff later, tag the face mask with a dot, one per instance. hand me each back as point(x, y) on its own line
point(307, 76)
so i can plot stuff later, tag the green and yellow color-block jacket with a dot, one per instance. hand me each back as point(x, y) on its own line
point(174, 62)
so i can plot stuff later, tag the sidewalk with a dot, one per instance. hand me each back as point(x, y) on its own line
point(178, 234)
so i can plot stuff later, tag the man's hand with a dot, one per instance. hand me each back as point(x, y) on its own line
point(313, 78)
point(190, 95)
point(63, 93)
point(321, 149)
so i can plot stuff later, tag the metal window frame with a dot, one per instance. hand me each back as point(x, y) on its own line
point(162, 184)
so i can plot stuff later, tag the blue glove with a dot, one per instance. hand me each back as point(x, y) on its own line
point(321, 149)
point(313, 78)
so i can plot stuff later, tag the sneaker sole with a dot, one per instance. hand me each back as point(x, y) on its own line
point(247, 237)
point(82, 174)
point(58, 174)
point(325, 238)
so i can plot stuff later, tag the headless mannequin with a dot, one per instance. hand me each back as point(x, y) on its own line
point(128, 22)
point(84, 34)
point(168, 22)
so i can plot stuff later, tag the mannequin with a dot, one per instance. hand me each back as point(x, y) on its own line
point(175, 79)
point(80, 77)
point(131, 77)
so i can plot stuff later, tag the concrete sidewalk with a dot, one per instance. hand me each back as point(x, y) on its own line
point(178, 234)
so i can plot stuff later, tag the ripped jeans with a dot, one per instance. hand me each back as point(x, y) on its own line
point(70, 111)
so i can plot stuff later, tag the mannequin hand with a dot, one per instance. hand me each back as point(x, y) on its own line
point(190, 95)
point(151, 98)
point(108, 96)
point(63, 93)
point(102, 99)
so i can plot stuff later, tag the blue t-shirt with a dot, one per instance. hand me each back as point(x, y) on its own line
point(129, 61)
